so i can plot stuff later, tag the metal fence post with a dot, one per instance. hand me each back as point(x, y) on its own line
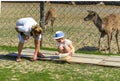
point(42, 19)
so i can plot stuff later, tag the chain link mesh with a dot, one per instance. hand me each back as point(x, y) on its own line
point(70, 19)
point(10, 13)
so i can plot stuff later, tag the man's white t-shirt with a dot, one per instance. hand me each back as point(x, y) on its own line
point(25, 24)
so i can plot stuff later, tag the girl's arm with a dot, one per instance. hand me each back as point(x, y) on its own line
point(72, 49)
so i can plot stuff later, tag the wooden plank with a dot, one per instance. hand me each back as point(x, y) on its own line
point(110, 63)
point(113, 59)
point(84, 60)
point(30, 55)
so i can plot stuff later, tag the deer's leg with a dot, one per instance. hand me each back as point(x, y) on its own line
point(109, 41)
point(46, 21)
point(47, 18)
point(99, 42)
point(52, 22)
point(116, 36)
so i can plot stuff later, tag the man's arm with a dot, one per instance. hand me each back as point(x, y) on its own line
point(37, 48)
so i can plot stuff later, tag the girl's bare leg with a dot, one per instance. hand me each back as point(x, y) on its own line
point(69, 50)
point(60, 49)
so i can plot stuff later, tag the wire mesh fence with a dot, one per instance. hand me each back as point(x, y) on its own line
point(69, 18)
point(10, 13)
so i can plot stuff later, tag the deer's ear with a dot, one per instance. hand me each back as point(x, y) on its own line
point(90, 11)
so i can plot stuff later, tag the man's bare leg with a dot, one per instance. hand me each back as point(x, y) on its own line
point(20, 46)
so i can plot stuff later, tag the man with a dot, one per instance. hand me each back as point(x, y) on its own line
point(27, 27)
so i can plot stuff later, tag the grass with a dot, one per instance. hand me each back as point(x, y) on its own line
point(14, 49)
point(5, 74)
point(52, 71)
point(59, 72)
point(8, 48)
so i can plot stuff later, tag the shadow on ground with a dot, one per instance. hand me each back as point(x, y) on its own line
point(13, 56)
point(5, 57)
point(88, 48)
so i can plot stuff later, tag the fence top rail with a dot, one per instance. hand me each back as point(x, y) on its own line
point(30, 1)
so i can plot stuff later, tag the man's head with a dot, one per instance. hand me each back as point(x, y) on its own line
point(36, 30)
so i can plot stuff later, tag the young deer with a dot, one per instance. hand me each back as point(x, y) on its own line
point(50, 16)
point(106, 26)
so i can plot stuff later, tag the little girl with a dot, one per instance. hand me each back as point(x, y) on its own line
point(64, 45)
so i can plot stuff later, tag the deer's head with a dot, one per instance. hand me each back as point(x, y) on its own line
point(91, 15)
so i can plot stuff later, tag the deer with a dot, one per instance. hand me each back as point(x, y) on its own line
point(106, 26)
point(50, 16)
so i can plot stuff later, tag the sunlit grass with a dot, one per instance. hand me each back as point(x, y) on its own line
point(52, 71)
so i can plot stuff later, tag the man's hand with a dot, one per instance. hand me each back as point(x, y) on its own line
point(26, 37)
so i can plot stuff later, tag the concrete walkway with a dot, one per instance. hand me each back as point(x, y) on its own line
point(77, 58)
